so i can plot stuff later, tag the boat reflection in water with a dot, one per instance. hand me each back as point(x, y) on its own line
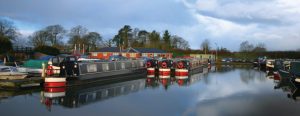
point(53, 96)
point(294, 91)
point(166, 83)
point(78, 96)
point(290, 87)
point(155, 82)
point(152, 82)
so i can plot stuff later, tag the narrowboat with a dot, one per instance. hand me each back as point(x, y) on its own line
point(187, 67)
point(284, 71)
point(295, 70)
point(260, 62)
point(270, 65)
point(71, 68)
point(165, 67)
point(152, 67)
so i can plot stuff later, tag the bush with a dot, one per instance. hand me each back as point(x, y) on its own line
point(47, 50)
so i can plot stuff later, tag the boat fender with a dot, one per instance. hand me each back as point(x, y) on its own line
point(50, 70)
point(164, 65)
point(180, 65)
point(148, 64)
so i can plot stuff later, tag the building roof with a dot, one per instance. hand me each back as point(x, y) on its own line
point(139, 50)
point(108, 49)
point(150, 50)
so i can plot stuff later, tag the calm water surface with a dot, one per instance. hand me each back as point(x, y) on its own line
point(228, 91)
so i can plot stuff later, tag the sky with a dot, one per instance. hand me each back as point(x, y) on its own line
point(226, 23)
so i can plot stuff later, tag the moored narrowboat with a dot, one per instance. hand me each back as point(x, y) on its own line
point(152, 67)
point(295, 70)
point(71, 68)
point(165, 67)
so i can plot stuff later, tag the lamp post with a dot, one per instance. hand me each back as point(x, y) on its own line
point(216, 51)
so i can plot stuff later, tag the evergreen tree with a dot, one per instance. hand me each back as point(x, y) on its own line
point(167, 40)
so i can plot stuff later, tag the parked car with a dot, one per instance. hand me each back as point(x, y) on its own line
point(236, 60)
point(227, 60)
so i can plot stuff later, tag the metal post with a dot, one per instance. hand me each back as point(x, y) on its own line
point(4, 61)
point(216, 52)
point(83, 49)
point(79, 49)
point(44, 70)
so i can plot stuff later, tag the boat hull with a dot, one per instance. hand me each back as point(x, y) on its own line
point(283, 74)
point(12, 76)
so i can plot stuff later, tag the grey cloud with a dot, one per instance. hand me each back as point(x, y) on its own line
point(95, 14)
point(245, 20)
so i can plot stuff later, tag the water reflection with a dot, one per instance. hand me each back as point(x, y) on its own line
point(79, 96)
point(228, 90)
point(249, 75)
point(294, 92)
point(74, 97)
point(290, 87)
point(155, 82)
point(7, 94)
point(152, 83)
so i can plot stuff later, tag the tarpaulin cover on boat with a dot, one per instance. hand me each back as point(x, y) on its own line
point(45, 57)
point(35, 63)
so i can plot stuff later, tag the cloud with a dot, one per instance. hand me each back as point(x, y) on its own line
point(225, 22)
point(105, 17)
point(229, 22)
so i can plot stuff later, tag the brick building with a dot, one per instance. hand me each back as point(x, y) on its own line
point(106, 52)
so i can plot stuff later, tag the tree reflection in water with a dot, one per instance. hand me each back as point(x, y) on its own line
point(250, 75)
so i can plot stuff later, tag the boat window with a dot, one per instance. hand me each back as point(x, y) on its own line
point(72, 59)
point(55, 61)
point(5, 69)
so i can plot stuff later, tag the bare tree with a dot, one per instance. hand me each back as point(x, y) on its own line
point(205, 45)
point(7, 29)
point(260, 47)
point(245, 46)
point(92, 39)
point(56, 33)
point(179, 43)
point(39, 38)
point(185, 44)
point(106, 43)
point(76, 35)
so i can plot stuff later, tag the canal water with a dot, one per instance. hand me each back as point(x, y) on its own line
point(222, 91)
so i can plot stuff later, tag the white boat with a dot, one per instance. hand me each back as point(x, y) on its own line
point(29, 70)
point(270, 64)
point(11, 73)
